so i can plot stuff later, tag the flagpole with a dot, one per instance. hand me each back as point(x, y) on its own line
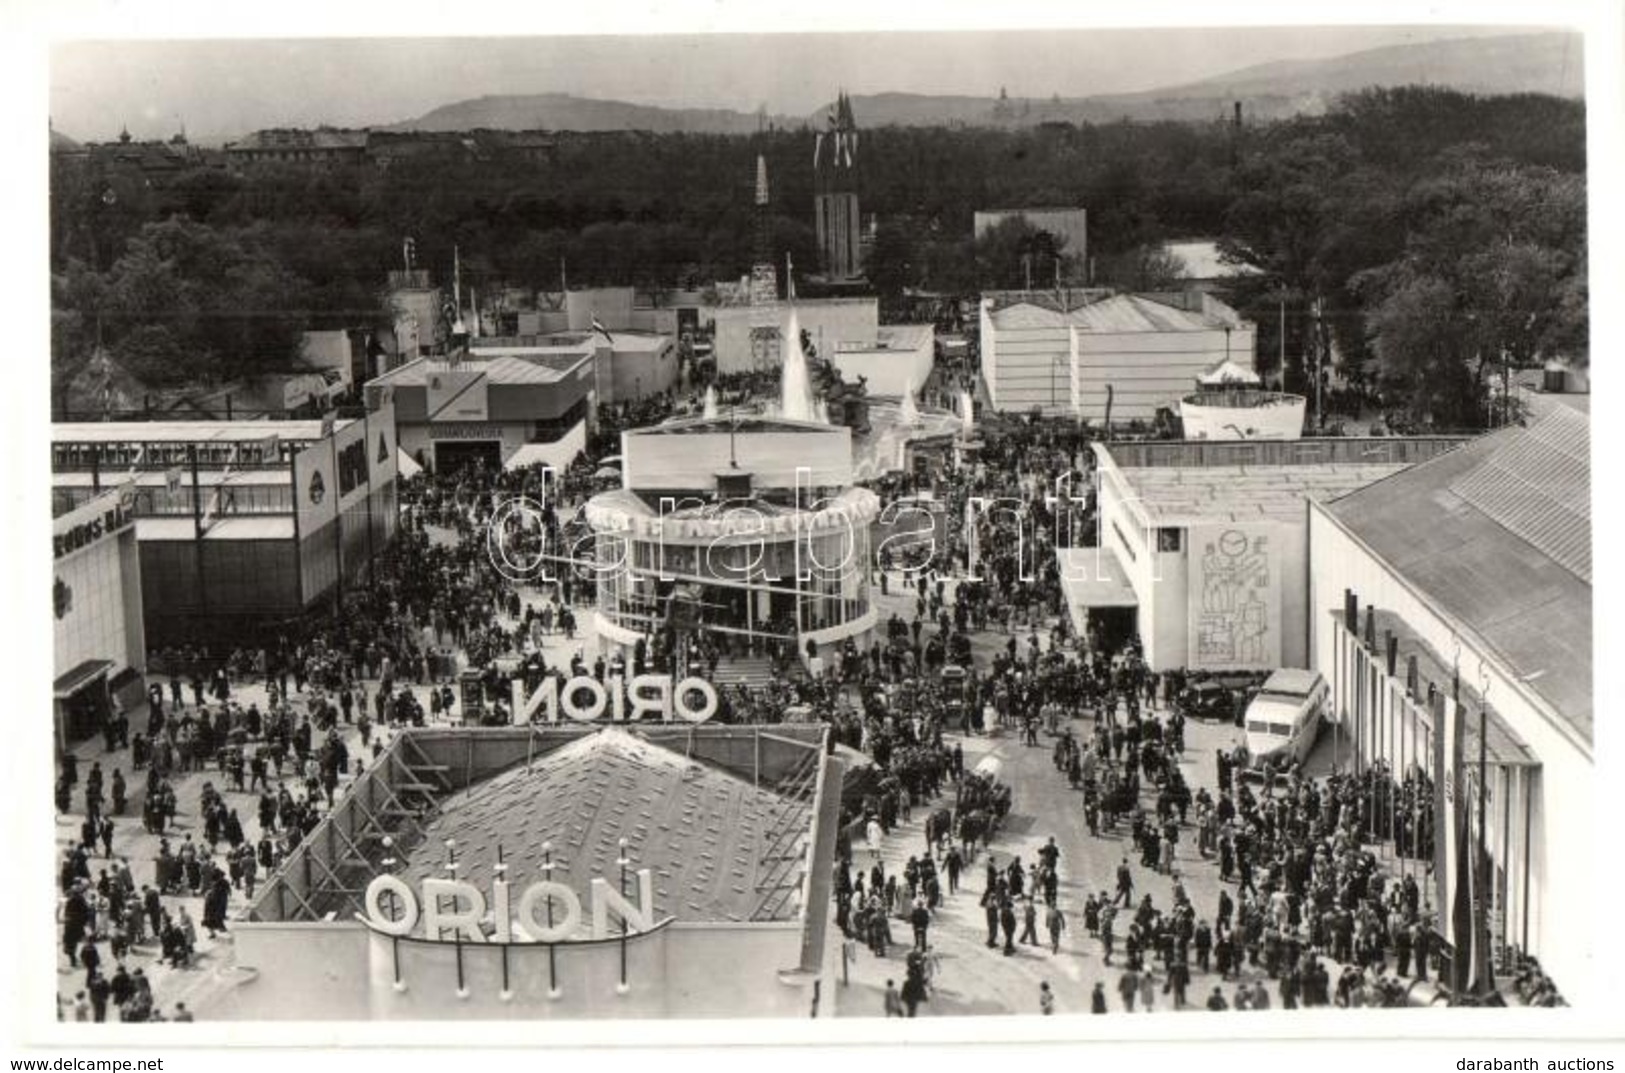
point(1482, 983)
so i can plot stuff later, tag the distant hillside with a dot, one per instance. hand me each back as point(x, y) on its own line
point(1549, 63)
point(562, 111)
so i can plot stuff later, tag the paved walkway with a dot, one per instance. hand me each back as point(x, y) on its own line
point(135, 844)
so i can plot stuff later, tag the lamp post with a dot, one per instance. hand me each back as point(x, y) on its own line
point(623, 861)
point(457, 933)
point(501, 875)
point(389, 862)
point(552, 948)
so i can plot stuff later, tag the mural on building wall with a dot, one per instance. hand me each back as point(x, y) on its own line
point(764, 347)
point(1235, 597)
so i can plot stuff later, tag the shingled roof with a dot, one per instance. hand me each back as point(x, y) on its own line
point(700, 830)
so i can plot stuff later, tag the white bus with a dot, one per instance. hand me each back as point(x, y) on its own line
point(1284, 718)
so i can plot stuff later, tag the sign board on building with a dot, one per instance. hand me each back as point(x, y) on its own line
point(466, 430)
point(456, 395)
point(1234, 596)
point(107, 515)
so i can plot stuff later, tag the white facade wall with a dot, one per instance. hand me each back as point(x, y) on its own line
point(1161, 579)
point(611, 305)
point(103, 615)
point(828, 323)
point(1148, 369)
point(512, 435)
point(1562, 911)
point(889, 371)
point(989, 336)
point(1031, 367)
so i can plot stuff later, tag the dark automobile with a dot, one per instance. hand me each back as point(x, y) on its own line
point(1208, 700)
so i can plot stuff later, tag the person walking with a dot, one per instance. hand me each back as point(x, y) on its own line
point(894, 1001)
point(1007, 921)
point(1029, 921)
point(1055, 921)
point(920, 917)
point(1128, 986)
point(1125, 884)
point(1097, 998)
point(1046, 999)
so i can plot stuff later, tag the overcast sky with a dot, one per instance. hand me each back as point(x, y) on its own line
point(226, 88)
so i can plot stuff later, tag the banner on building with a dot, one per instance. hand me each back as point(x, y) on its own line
point(456, 395)
point(382, 454)
point(1453, 857)
point(315, 487)
point(1234, 596)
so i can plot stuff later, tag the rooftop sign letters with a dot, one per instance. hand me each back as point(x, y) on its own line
point(586, 699)
point(452, 910)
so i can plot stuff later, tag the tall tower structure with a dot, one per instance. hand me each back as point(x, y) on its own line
point(764, 282)
point(835, 207)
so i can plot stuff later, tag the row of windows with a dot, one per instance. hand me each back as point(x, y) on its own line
point(162, 503)
point(86, 457)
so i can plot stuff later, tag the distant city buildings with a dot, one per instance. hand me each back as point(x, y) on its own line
point(338, 147)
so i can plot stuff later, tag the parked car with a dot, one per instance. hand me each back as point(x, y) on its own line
point(1208, 699)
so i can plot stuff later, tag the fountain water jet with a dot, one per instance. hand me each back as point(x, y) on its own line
point(796, 400)
point(967, 415)
point(710, 401)
point(909, 409)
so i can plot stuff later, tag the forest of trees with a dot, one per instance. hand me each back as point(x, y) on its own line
point(1435, 232)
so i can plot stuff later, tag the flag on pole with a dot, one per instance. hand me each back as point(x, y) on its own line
point(599, 329)
point(214, 500)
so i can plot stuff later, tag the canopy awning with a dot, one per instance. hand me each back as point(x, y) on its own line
point(1227, 372)
point(1092, 577)
point(406, 465)
point(85, 673)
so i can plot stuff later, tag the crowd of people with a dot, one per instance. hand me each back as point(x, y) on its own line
point(1305, 903)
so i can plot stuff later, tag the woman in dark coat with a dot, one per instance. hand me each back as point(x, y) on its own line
point(214, 905)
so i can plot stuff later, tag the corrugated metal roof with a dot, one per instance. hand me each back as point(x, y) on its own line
point(187, 431)
point(1538, 486)
point(1027, 315)
point(1193, 495)
point(538, 368)
point(1529, 608)
point(701, 831)
point(1136, 313)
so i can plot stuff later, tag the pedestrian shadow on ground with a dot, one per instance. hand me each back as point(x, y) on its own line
point(1014, 824)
